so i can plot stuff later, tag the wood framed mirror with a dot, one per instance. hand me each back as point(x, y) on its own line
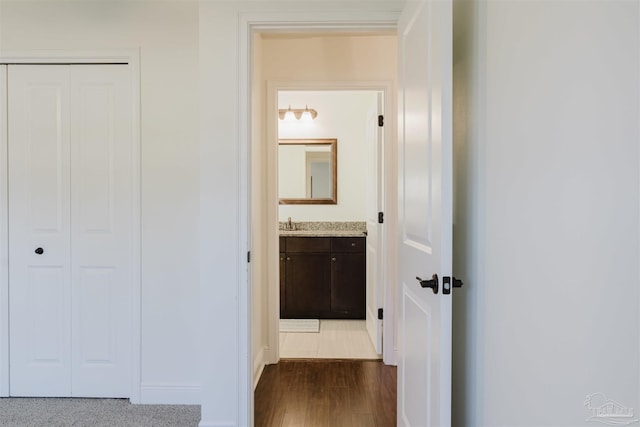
point(308, 171)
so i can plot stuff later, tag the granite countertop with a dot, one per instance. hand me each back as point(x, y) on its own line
point(322, 233)
point(324, 229)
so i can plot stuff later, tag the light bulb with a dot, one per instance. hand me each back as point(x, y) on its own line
point(289, 116)
point(306, 115)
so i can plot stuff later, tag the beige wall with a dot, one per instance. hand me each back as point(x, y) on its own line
point(258, 215)
point(329, 57)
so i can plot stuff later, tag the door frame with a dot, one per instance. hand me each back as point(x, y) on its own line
point(131, 58)
point(388, 238)
point(248, 23)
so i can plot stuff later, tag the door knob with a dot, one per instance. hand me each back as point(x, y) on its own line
point(431, 283)
point(39, 251)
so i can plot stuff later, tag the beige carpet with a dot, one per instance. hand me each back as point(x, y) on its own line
point(72, 412)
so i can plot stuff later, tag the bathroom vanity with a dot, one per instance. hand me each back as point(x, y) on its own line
point(322, 275)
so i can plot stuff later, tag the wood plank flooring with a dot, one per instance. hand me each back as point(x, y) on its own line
point(332, 393)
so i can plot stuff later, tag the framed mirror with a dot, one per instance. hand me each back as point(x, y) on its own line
point(308, 171)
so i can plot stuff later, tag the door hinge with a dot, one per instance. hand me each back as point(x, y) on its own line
point(248, 256)
point(380, 217)
point(380, 314)
point(380, 120)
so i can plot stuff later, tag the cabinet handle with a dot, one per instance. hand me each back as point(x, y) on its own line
point(353, 245)
point(288, 258)
point(333, 259)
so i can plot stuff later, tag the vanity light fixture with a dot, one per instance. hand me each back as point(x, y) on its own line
point(305, 113)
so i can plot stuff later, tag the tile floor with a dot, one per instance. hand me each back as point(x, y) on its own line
point(337, 339)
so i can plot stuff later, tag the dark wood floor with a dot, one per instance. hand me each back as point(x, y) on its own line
point(310, 393)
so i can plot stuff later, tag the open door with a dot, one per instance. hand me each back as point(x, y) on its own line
point(375, 202)
point(425, 213)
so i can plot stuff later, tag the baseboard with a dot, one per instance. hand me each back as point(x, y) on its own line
point(215, 424)
point(170, 394)
point(258, 365)
point(391, 359)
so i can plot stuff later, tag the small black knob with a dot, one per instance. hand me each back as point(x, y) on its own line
point(39, 251)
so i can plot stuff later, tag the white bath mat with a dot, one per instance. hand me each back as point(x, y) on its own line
point(300, 325)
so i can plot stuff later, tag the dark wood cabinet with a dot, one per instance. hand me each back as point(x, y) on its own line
point(322, 277)
point(348, 285)
point(306, 285)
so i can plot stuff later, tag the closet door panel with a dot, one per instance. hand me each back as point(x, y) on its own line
point(4, 241)
point(39, 234)
point(101, 231)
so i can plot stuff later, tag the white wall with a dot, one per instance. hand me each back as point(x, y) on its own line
point(547, 196)
point(342, 115)
point(167, 35)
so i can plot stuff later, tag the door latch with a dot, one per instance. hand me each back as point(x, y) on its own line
point(446, 284)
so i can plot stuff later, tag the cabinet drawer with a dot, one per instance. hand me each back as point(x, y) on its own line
point(308, 244)
point(347, 244)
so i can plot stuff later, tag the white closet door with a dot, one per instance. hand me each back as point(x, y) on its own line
point(39, 218)
point(4, 241)
point(70, 193)
point(101, 189)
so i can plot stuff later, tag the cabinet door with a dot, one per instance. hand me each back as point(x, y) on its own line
point(307, 285)
point(348, 284)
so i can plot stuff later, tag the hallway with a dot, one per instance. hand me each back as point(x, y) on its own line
point(326, 393)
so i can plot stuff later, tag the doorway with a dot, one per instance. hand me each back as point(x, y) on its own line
point(339, 303)
point(69, 292)
point(355, 60)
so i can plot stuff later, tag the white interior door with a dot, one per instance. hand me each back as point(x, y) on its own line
point(70, 230)
point(375, 202)
point(425, 212)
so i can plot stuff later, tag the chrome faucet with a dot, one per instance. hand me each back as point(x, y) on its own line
point(290, 225)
